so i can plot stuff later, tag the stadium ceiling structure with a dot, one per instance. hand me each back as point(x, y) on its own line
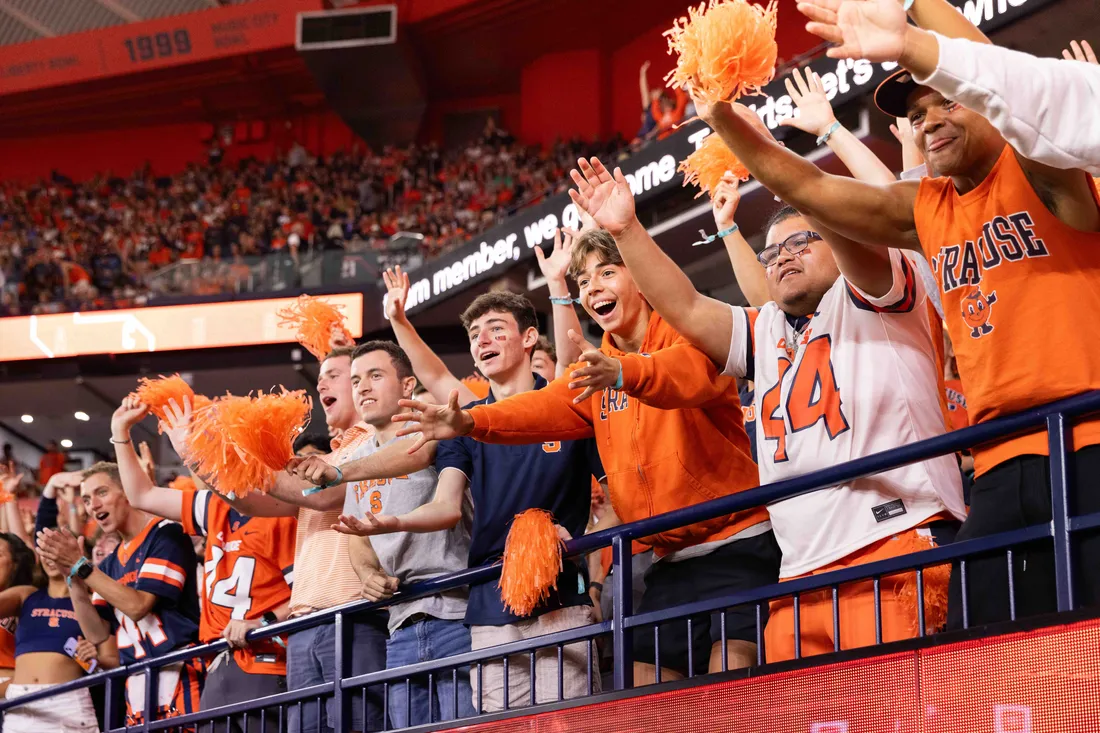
point(29, 20)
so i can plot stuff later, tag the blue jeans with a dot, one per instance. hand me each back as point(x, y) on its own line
point(311, 660)
point(423, 641)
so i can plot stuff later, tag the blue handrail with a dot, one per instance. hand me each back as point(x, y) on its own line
point(1054, 418)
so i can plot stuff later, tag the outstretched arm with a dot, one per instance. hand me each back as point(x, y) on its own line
point(444, 511)
point(864, 212)
point(390, 461)
point(427, 366)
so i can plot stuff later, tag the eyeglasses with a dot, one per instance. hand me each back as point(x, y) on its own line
point(793, 244)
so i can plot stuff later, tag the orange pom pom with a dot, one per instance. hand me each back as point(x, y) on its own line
point(532, 561)
point(706, 166)
point(316, 322)
point(477, 384)
point(183, 483)
point(231, 470)
point(726, 49)
point(157, 392)
point(265, 426)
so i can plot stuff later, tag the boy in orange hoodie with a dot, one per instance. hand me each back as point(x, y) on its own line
point(670, 434)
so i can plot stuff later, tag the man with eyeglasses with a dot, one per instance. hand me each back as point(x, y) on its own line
point(844, 363)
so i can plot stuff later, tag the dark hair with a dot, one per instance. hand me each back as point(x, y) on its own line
point(22, 560)
point(598, 241)
point(781, 215)
point(321, 442)
point(397, 355)
point(543, 344)
point(338, 352)
point(503, 302)
point(111, 469)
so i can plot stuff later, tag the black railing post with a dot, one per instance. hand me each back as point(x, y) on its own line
point(341, 702)
point(623, 606)
point(110, 705)
point(1061, 450)
point(152, 696)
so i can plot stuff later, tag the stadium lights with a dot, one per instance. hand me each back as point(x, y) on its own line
point(27, 419)
point(66, 443)
point(81, 415)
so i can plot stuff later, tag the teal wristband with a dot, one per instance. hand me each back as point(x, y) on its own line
point(726, 232)
point(619, 380)
point(74, 570)
point(829, 133)
point(329, 485)
point(564, 301)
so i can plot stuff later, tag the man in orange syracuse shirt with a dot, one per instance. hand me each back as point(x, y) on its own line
point(670, 434)
point(249, 568)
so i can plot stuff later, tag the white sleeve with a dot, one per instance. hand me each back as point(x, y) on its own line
point(1045, 108)
point(739, 361)
point(907, 289)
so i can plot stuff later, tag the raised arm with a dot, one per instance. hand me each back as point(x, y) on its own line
point(643, 84)
point(554, 267)
point(1015, 91)
point(878, 214)
point(427, 366)
point(10, 507)
point(816, 118)
point(139, 487)
point(747, 270)
point(703, 321)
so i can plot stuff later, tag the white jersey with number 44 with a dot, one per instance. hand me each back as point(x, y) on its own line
point(857, 377)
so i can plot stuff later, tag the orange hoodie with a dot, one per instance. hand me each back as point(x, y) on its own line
point(673, 436)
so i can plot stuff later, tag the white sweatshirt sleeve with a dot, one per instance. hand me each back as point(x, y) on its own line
point(1047, 109)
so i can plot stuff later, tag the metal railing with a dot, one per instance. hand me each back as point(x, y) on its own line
point(1054, 418)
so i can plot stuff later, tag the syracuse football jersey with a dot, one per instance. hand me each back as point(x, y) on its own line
point(161, 561)
point(248, 570)
point(857, 377)
point(1019, 288)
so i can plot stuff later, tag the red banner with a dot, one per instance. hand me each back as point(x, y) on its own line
point(261, 25)
point(1045, 681)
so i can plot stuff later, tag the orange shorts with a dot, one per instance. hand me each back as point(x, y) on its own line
point(856, 603)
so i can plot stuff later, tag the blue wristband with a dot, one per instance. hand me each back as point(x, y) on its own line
point(329, 485)
point(726, 232)
point(619, 380)
point(829, 133)
point(564, 301)
point(75, 568)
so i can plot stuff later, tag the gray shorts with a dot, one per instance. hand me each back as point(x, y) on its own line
point(227, 683)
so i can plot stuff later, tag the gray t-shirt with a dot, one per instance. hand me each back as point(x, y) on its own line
point(412, 557)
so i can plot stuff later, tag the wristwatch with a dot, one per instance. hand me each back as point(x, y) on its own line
point(82, 569)
point(269, 618)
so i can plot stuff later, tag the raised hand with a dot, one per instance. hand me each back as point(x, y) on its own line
point(312, 469)
point(397, 292)
point(600, 372)
point(605, 197)
point(815, 114)
point(555, 265)
point(9, 482)
point(1080, 52)
point(433, 422)
point(177, 425)
point(368, 526)
point(862, 29)
point(129, 413)
point(724, 201)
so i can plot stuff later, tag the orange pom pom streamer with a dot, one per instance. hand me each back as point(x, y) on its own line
point(477, 384)
point(706, 166)
point(157, 392)
point(265, 426)
point(183, 483)
point(230, 469)
point(726, 49)
point(532, 561)
point(316, 321)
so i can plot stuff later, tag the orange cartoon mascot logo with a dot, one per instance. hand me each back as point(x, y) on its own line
point(976, 309)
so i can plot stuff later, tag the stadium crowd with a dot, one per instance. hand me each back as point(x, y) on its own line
point(650, 421)
point(72, 246)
